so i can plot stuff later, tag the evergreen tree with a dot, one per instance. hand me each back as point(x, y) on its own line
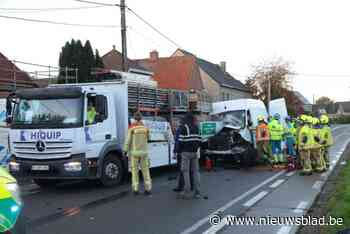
point(98, 60)
point(74, 55)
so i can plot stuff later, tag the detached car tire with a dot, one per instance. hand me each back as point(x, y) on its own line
point(112, 171)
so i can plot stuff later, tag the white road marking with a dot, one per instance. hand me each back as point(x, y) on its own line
point(325, 174)
point(335, 128)
point(205, 220)
point(290, 173)
point(277, 183)
point(317, 185)
point(301, 207)
point(215, 228)
point(255, 199)
point(284, 230)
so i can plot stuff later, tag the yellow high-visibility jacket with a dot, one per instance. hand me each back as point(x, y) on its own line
point(326, 136)
point(276, 130)
point(136, 143)
point(306, 138)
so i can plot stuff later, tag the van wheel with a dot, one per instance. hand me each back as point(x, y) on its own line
point(112, 171)
point(46, 183)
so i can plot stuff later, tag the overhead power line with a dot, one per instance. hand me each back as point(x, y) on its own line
point(98, 3)
point(35, 10)
point(154, 28)
point(58, 23)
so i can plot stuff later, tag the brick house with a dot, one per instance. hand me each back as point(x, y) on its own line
point(11, 77)
point(219, 84)
point(301, 103)
point(180, 73)
point(113, 61)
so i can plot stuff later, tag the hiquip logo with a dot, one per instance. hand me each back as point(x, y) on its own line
point(40, 135)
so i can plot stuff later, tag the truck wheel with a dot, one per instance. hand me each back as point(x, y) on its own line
point(46, 183)
point(112, 171)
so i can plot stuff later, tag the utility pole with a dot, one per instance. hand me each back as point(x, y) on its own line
point(123, 31)
point(268, 92)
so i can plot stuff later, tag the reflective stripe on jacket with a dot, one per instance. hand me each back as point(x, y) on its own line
point(276, 130)
point(136, 143)
point(262, 132)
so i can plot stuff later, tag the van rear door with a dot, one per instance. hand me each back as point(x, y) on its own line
point(278, 106)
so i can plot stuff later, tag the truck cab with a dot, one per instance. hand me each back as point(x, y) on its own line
point(76, 131)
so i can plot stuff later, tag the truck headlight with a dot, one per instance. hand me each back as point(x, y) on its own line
point(16, 194)
point(14, 166)
point(73, 166)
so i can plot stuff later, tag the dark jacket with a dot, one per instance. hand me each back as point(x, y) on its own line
point(189, 139)
point(176, 146)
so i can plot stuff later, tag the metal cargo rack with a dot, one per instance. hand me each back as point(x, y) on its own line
point(141, 96)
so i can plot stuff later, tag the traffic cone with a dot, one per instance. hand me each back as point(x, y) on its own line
point(208, 164)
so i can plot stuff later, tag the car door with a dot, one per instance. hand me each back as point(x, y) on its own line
point(159, 145)
point(98, 133)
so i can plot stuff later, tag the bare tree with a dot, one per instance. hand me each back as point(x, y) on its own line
point(324, 101)
point(277, 74)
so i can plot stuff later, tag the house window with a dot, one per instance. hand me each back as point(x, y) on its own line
point(223, 96)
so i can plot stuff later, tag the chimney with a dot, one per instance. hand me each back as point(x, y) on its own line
point(154, 55)
point(223, 66)
point(113, 47)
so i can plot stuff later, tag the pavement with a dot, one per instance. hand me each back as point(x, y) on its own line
point(85, 207)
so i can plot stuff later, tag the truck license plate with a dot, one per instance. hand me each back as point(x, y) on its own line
point(40, 167)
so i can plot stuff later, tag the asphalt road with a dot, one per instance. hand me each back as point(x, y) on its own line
point(84, 207)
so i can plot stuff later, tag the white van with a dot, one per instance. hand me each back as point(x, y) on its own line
point(231, 133)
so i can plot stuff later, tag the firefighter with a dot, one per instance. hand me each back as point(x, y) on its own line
point(136, 148)
point(326, 138)
point(262, 140)
point(276, 135)
point(316, 156)
point(306, 140)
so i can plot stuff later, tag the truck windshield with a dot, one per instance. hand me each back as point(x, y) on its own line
point(48, 113)
point(236, 118)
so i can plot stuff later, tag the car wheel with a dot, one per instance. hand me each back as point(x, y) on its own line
point(112, 171)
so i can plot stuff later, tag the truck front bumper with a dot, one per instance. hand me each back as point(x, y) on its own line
point(233, 154)
point(75, 167)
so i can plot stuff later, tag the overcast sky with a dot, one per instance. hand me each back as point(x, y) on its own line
point(312, 34)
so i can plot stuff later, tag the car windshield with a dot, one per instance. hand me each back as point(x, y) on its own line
point(235, 118)
point(53, 113)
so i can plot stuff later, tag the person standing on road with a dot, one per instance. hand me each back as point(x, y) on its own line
point(181, 182)
point(316, 156)
point(136, 147)
point(306, 140)
point(289, 135)
point(189, 144)
point(262, 141)
point(276, 135)
point(326, 138)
